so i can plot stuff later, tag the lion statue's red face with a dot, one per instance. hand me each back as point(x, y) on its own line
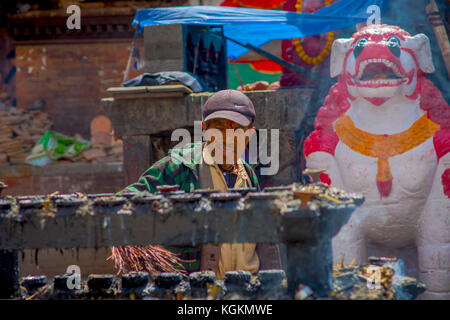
point(380, 62)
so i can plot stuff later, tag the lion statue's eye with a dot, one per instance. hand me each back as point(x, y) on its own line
point(393, 41)
point(394, 45)
point(359, 46)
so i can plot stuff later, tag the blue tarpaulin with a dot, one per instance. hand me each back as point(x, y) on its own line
point(258, 26)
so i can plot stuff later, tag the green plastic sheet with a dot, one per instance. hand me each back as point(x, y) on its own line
point(53, 146)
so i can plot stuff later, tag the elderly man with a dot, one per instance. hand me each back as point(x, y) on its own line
point(228, 118)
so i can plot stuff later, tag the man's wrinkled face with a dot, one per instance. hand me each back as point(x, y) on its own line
point(227, 139)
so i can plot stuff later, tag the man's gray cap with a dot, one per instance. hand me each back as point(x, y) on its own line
point(229, 104)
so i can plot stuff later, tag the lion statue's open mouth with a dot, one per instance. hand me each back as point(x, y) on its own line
point(378, 72)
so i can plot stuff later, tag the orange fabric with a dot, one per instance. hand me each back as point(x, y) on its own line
point(383, 146)
point(266, 66)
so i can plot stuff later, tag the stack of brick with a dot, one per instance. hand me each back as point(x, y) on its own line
point(104, 147)
point(19, 132)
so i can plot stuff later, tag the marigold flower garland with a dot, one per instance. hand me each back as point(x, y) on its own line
point(298, 45)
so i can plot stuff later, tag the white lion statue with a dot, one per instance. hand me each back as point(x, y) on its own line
point(384, 131)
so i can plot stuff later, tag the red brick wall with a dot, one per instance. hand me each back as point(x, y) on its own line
point(35, 185)
point(82, 177)
point(71, 77)
point(7, 90)
point(65, 178)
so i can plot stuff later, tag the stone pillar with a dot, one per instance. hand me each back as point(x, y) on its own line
point(310, 264)
point(137, 156)
point(163, 48)
point(9, 273)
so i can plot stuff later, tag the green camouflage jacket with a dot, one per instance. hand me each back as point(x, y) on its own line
point(180, 167)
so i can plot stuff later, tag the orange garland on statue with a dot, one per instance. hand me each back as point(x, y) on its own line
point(382, 146)
point(299, 48)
